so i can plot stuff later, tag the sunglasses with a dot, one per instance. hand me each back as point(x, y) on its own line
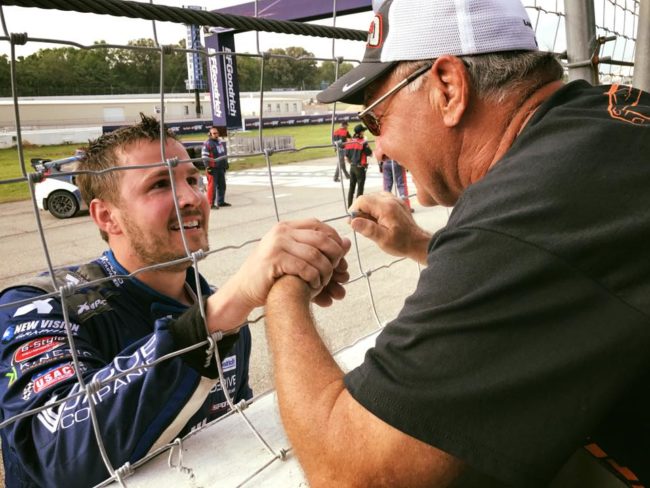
point(370, 119)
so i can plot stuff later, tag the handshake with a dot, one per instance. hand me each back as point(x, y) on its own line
point(307, 259)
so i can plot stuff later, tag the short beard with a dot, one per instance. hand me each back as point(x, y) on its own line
point(156, 254)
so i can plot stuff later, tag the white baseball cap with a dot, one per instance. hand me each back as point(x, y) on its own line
point(411, 30)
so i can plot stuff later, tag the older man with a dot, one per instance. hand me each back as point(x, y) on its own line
point(527, 337)
point(120, 323)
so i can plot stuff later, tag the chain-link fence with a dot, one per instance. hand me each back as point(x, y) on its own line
point(594, 39)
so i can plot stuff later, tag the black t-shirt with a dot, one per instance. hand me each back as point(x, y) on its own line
point(528, 335)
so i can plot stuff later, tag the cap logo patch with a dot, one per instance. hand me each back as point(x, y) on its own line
point(375, 32)
point(347, 86)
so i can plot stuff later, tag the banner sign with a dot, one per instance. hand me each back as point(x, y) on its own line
point(230, 80)
point(288, 121)
point(190, 127)
point(194, 126)
point(224, 86)
point(195, 79)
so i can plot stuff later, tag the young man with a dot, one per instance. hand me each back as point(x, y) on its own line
point(214, 153)
point(527, 337)
point(120, 323)
point(357, 152)
point(340, 136)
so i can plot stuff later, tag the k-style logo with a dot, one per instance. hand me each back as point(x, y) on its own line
point(36, 347)
point(375, 34)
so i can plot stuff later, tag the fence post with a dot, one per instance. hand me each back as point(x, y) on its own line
point(641, 77)
point(581, 40)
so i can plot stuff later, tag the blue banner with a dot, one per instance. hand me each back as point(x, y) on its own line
point(195, 79)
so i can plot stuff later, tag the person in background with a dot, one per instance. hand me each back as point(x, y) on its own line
point(340, 137)
point(122, 323)
point(357, 151)
point(395, 173)
point(216, 164)
point(525, 347)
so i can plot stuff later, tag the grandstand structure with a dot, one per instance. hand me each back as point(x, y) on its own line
point(597, 40)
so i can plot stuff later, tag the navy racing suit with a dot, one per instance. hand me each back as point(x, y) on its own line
point(117, 325)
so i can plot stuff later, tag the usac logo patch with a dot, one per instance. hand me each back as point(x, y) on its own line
point(53, 376)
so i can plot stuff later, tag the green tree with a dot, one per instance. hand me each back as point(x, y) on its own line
point(327, 72)
point(46, 72)
point(93, 70)
point(289, 72)
point(5, 76)
point(248, 73)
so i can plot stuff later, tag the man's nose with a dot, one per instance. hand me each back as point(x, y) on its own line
point(188, 195)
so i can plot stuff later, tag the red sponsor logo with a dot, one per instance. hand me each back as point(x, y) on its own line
point(375, 32)
point(52, 377)
point(37, 347)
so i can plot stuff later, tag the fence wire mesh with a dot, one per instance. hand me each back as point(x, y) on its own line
point(616, 23)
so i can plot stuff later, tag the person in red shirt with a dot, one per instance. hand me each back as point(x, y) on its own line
point(341, 134)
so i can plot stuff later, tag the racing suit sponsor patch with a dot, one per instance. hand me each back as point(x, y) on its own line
point(40, 306)
point(8, 334)
point(37, 347)
point(34, 328)
point(53, 376)
point(229, 363)
point(57, 355)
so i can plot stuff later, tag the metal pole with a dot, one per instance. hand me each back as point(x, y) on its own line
point(197, 101)
point(641, 77)
point(581, 40)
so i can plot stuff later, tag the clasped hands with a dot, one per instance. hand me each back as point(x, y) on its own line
point(305, 259)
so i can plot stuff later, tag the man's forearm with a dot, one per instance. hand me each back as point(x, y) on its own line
point(337, 441)
point(307, 379)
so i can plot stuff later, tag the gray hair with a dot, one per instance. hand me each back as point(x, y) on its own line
point(495, 76)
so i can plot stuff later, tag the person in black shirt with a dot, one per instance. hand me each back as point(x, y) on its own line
point(357, 152)
point(526, 341)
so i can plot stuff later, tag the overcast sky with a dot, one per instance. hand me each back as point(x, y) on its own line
point(87, 28)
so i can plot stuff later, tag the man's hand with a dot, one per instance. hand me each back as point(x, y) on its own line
point(308, 249)
point(388, 222)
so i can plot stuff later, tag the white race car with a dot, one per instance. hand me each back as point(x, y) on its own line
point(57, 192)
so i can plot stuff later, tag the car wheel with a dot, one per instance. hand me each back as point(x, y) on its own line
point(62, 204)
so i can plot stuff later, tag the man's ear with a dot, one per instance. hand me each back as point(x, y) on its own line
point(104, 215)
point(451, 80)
